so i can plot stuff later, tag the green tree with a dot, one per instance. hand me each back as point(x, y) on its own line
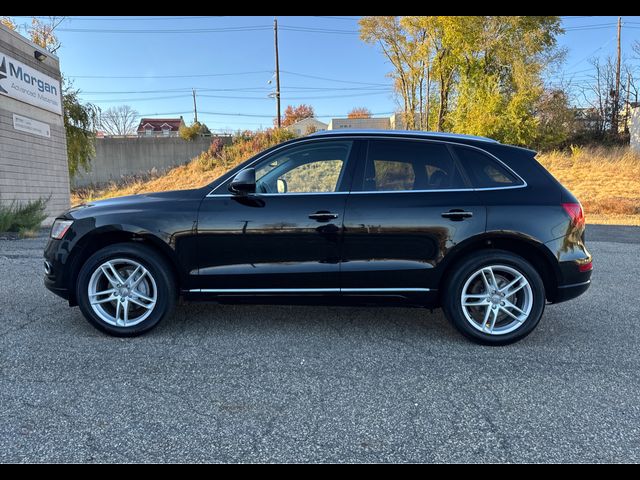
point(402, 47)
point(190, 132)
point(556, 119)
point(193, 131)
point(471, 74)
point(79, 123)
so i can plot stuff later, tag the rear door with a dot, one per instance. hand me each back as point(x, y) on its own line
point(409, 205)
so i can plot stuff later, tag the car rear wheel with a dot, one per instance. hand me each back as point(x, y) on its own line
point(125, 289)
point(494, 297)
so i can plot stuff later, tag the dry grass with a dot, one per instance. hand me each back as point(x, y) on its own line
point(183, 177)
point(606, 180)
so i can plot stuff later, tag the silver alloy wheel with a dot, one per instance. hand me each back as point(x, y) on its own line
point(122, 292)
point(496, 299)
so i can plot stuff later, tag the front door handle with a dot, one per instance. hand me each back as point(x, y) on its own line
point(457, 215)
point(323, 216)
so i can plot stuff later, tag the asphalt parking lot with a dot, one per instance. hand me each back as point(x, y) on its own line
point(328, 384)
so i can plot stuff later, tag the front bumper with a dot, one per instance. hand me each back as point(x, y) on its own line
point(54, 265)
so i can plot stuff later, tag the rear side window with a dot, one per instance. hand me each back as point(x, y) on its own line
point(397, 165)
point(483, 170)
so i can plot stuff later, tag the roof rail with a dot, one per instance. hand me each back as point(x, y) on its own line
point(403, 133)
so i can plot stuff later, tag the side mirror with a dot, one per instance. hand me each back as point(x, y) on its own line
point(244, 182)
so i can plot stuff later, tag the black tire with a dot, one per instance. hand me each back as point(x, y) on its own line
point(452, 294)
point(157, 268)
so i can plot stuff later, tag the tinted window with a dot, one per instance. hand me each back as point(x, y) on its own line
point(312, 168)
point(483, 170)
point(397, 165)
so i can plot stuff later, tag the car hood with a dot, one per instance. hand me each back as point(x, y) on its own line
point(130, 203)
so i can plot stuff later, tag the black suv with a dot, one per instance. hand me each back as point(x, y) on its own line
point(355, 217)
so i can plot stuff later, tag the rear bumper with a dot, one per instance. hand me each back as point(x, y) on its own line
point(567, 292)
point(61, 292)
point(572, 256)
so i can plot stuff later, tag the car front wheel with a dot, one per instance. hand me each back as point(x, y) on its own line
point(494, 297)
point(125, 289)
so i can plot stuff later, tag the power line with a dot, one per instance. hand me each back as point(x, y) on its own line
point(333, 79)
point(251, 28)
point(195, 75)
point(337, 18)
point(292, 28)
point(229, 74)
point(101, 19)
point(241, 89)
point(590, 27)
point(231, 97)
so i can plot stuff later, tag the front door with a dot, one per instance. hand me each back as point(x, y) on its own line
point(287, 237)
point(409, 205)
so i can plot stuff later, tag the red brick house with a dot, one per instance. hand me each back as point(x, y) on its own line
point(160, 127)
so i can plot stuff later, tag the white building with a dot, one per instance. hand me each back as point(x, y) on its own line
point(394, 122)
point(306, 126)
point(634, 127)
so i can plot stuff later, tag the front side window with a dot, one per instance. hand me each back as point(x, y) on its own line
point(401, 165)
point(483, 170)
point(315, 168)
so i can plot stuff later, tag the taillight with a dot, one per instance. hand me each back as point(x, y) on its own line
point(585, 267)
point(574, 210)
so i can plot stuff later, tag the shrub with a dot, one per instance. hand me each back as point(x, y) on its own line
point(245, 144)
point(23, 218)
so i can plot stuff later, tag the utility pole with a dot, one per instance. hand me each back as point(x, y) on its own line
point(616, 96)
point(195, 107)
point(626, 106)
point(275, 37)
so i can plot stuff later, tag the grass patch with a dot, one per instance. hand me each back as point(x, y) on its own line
point(23, 218)
point(605, 180)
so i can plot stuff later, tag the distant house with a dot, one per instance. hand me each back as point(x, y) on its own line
point(160, 127)
point(307, 125)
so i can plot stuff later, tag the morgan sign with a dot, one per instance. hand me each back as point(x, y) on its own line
point(26, 84)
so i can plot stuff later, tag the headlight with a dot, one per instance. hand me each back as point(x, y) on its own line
point(59, 228)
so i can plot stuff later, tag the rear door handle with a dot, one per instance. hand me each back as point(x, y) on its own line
point(457, 215)
point(323, 216)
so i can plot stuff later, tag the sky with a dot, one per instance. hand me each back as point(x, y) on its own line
point(153, 63)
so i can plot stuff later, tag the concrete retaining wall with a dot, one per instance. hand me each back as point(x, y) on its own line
point(126, 156)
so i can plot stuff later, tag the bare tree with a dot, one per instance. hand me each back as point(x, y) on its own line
point(599, 94)
point(120, 120)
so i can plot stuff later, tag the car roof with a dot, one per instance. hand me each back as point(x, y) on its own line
point(402, 133)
